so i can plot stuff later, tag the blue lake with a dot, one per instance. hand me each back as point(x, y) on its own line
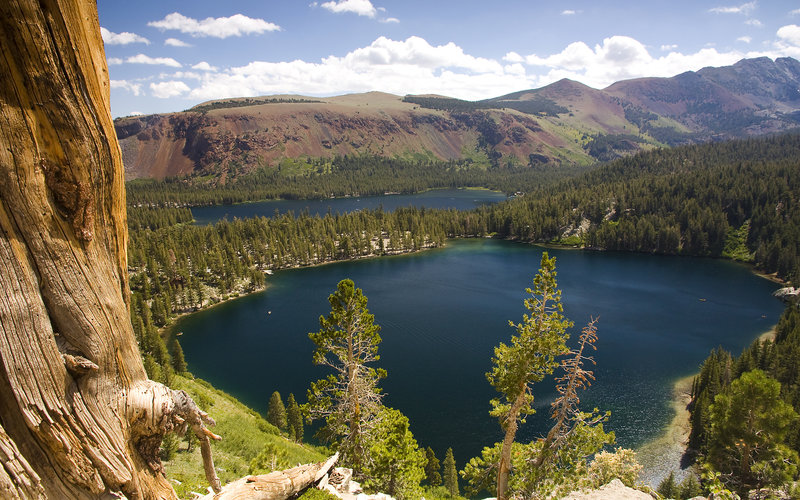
point(460, 199)
point(442, 312)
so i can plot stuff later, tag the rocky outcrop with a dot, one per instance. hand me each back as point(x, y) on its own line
point(614, 490)
point(788, 294)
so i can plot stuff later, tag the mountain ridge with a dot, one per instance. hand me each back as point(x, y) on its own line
point(565, 122)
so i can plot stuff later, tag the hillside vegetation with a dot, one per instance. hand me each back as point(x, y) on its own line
point(563, 124)
point(735, 199)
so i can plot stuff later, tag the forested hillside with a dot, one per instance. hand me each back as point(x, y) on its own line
point(744, 410)
point(734, 200)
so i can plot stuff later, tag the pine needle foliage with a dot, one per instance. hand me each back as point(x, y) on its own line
point(349, 399)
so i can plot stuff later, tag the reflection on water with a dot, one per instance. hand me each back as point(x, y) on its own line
point(442, 311)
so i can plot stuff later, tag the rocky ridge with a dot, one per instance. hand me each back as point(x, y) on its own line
point(563, 123)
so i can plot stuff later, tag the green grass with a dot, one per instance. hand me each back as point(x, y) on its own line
point(244, 434)
point(736, 244)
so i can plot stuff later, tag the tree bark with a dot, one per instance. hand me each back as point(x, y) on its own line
point(79, 418)
point(278, 485)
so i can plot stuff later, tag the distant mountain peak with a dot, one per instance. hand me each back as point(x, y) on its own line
point(563, 122)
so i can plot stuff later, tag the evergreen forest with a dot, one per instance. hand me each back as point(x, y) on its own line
point(737, 200)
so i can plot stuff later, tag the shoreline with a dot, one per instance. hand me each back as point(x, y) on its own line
point(665, 453)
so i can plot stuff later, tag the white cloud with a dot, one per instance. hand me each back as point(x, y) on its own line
point(621, 58)
point(113, 61)
point(402, 67)
point(414, 66)
point(513, 57)
point(754, 22)
point(416, 51)
point(569, 12)
point(794, 12)
point(204, 66)
point(790, 34)
point(219, 27)
point(744, 39)
point(174, 42)
point(390, 20)
point(124, 38)
point(165, 90)
point(360, 7)
point(144, 59)
point(668, 47)
point(745, 8)
point(136, 113)
point(134, 88)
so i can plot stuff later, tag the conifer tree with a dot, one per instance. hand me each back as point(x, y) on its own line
point(178, 360)
point(450, 474)
point(541, 338)
point(294, 418)
point(276, 412)
point(749, 422)
point(350, 398)
point(395, 464)
point(432, 468)
point(667, 487)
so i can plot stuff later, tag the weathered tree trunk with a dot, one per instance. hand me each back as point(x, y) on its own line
point(78, 418)
point(278, 485)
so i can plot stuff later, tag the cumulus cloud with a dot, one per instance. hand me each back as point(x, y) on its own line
point(390, 20)
point(744, 39)
point(513, 57)
point(219, 27)
point(790, 34)
point(569, 12)
point(204, 66)
point(124, 38)
point(745, 8)
point(174, 42)
point(133, 88)
point(113, 61)
point(145, 59)
point(414, 66)
point(668, 47)
point(165, 90)
point(360, 7)
point(622, 58)
point(401, 67)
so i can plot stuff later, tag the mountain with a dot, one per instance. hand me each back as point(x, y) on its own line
point(563, 123)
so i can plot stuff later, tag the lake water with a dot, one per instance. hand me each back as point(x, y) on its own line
point(443, 311)
point(460, 199)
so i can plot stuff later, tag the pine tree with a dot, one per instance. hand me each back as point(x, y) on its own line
point(396, 464)
point(450, 474)
point(749, 422)
point(276, 412)
point(667, 487)
point(350, 398)
point(541, 337)
point(432, 468)
point(294, 418)
point(178, 361)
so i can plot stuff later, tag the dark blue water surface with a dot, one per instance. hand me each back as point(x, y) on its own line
point(443, 311)
point(460, 199)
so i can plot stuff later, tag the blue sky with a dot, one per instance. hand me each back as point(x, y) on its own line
point(170, 55)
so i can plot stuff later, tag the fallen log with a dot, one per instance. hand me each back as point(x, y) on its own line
point(278, 485)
